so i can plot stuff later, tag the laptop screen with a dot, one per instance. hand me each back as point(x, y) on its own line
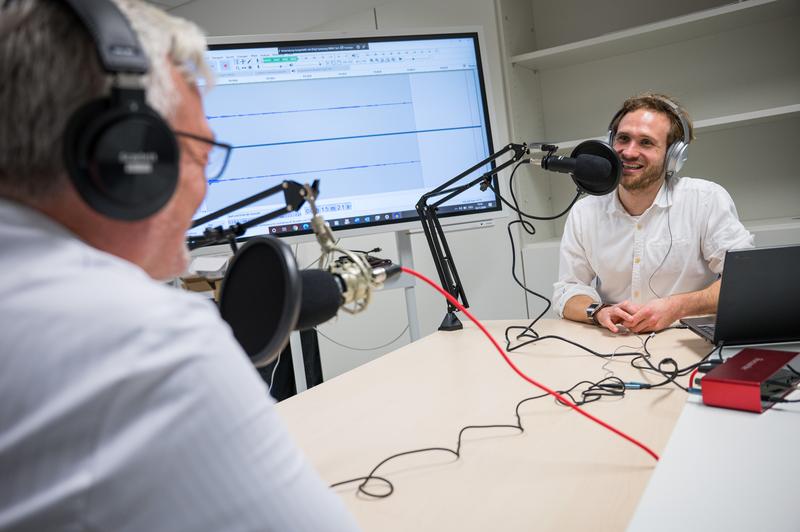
point(759, 296)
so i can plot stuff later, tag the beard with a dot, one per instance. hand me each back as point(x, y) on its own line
point(644, 180)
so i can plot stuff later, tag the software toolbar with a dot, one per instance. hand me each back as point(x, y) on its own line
point(353, 59)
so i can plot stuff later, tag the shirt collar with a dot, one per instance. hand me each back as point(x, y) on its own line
point(663, 198)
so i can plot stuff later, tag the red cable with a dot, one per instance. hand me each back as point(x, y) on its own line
point(691, 378)
point(554, 393)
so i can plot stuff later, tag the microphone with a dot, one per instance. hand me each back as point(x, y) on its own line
point(324, 292)
point(584, 166)
point(593, 165)
point(264, 296)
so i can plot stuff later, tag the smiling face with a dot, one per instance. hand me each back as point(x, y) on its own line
point(641, 142)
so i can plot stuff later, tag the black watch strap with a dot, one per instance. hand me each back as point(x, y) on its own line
point(593, 309)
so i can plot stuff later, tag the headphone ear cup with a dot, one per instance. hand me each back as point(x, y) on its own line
point(676, 156)
point(123, 159)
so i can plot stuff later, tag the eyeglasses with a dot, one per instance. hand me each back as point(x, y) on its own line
point(217, 157)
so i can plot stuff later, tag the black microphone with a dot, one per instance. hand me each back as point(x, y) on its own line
point(593, 165)
point(324, 292)
point(584, 166)
point(264, 296)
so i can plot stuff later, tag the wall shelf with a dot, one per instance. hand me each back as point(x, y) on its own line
point(735, 66)
point(658, 34)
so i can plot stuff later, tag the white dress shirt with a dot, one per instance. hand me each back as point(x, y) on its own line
point(677, 245)
point(127, 405)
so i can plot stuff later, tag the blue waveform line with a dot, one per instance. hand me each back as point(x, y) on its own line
point(309, 110)
point(351, 137)
point(286, 174)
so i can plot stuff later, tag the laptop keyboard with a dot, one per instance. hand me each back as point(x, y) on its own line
point(708, 329)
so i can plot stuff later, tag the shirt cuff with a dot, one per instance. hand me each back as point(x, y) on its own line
point(566, 291)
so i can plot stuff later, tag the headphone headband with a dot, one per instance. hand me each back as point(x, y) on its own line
point(117, 45)
point(676, 111)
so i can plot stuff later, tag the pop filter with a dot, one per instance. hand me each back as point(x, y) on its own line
point(594, 179)
point(260, 297)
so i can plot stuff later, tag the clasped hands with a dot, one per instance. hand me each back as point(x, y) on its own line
point(652, 316)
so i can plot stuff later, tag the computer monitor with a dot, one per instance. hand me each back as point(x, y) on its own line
point(378, 120)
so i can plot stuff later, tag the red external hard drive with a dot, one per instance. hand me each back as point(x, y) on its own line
point(753, 380)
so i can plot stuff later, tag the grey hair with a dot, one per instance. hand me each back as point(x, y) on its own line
point(49, 68)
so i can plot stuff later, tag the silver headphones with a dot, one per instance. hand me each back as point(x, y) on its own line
point(677, 152)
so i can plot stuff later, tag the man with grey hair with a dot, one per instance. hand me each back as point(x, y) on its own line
point(124, 404)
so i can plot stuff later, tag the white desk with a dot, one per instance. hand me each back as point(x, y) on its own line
point(563, 473)
point(727, 470)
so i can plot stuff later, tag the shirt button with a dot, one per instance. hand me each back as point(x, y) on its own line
point(638, 226)
point(636, 294)
point(636, 260)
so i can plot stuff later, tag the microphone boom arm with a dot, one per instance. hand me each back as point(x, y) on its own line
point(434, 234)
point(294, 195)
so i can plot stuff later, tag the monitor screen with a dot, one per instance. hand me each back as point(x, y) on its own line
point(378, 121)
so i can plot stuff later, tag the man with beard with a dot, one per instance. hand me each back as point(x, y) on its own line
point(652, 252)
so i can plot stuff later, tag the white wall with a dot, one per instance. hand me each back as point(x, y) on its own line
point(242, 17)
point(482, 255)
point(750, 67)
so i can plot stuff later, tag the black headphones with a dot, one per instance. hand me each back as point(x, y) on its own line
point(120, 154)
point(677, 153)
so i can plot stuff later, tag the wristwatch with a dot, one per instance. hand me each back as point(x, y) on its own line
point(593, 309)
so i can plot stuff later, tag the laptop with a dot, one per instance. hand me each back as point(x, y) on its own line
point(758, 300)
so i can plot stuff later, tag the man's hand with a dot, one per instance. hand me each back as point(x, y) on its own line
point(610, 317)
point(656, 315)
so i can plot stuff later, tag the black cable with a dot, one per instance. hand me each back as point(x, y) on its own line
point(531, 230)
point(576, 344)
point(390, 342)
point(531, 216)
point(514, 267)
point(669, 228)
point(669, 376)
point(608, 387)
point(676, 371)
point(528, 331)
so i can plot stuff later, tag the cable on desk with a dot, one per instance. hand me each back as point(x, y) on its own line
point(561, 338)
point(513, 366)
point(610, 386)
point(670, 374)
point(362, 488)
